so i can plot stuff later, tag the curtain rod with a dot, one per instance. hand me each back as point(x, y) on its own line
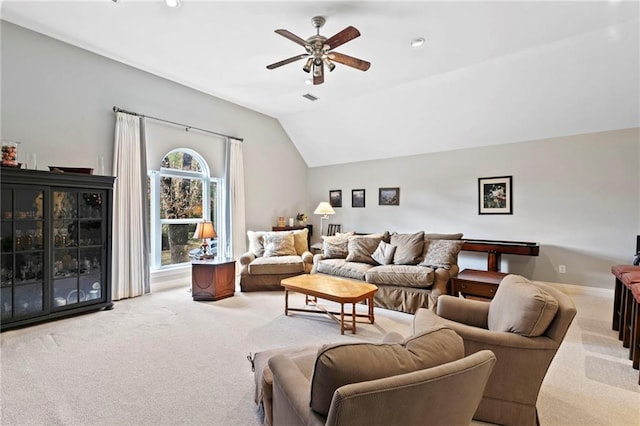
point(187, 127)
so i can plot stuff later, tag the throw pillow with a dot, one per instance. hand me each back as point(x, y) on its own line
point(256, 242)
point(340, 364)
point(361, 247)
point(521, 307)
point(300, 240)
point(408, 248)
point(442, 253)
point(433, 236)
point(335, 246)
point(384, 253)
point(279, 244)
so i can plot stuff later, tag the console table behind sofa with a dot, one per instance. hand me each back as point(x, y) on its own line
point(495, 249)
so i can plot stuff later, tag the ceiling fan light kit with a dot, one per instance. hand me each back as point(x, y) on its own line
point(320, 51)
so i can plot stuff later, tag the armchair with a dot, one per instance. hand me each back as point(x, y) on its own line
point(424, 379)
point(524, 326)
point(446, 394)
point(272, 257)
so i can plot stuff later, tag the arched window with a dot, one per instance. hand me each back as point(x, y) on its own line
point(181, 194)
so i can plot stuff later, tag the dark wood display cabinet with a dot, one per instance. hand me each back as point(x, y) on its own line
point(55, 245)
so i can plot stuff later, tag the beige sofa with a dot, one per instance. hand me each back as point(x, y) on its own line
point(524, 326)
point(414, 381)
point(273, 256)
point(410, 270)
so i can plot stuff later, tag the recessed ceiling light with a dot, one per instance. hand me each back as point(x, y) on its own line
point(172, 3)
point(417, 42)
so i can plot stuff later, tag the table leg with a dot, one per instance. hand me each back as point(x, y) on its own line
point(286, 302)
point(370, 303)
point(342, 318)
point(353, 318)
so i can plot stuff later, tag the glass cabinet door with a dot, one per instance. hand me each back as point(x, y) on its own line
point(78, 248)
point(22, 253)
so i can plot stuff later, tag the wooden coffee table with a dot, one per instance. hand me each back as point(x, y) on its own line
point(340, 290)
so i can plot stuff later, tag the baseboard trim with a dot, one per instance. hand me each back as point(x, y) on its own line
point(581, 290)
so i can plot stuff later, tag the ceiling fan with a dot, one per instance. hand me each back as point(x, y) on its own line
point(320, 51)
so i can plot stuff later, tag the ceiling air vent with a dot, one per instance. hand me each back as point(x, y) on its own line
point(310, 97)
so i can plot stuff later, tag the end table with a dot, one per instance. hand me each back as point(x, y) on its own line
point(479, 285)
point(213, 279)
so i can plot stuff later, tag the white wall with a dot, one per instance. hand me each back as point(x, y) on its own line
point(57, 100)
point(576, 196)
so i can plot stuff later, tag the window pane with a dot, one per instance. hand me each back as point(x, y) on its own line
point(180, 198)
point(177, 242)
point(181, 160)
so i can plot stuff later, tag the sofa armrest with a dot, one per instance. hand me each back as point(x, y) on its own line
point(465, 311)
point(316, 259)
point(442, 277)
point(307, 257)
point(247, 258)
point(291, 390)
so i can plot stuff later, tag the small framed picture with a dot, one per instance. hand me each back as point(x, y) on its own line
point(357, 198)
point(335, 197)
point(495, 195)
point(389, 196)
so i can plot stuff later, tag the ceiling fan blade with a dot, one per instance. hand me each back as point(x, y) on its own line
point(342, 37)
point(291, 36)
point(349, 61)
point(287, 61)
point(319, 79)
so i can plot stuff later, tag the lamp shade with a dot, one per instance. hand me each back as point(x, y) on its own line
point(205, 230)
point(324, 208)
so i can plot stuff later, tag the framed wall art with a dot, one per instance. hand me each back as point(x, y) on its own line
point(357, 198)
point(389, 196)
point(495, 195)
point(335, 197)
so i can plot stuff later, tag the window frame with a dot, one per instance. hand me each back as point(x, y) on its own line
point(156, 222)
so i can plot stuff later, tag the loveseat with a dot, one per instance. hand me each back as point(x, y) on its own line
point(273, 256)
point(410, 270)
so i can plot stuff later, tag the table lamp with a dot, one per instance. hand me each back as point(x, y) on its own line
point(325, 209)
point(205, 230)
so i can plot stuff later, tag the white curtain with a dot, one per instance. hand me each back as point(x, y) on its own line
point(236, 195)
point(130, 230)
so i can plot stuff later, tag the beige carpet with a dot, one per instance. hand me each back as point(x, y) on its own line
point(164, 359)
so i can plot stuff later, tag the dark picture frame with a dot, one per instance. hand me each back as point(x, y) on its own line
point(495, 195)
point(357, 198)
point(335, 197)
point(388, 196)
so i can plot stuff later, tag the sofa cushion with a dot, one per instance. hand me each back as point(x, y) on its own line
point(361, 247)
point(256, 242)
point(335, 246)
point(384, 253)
point(409, 248)
point(442, 253)
point(300, 240)
point(401, 275)
point(276, 265)
point(340, 364)
point(342, 268)
point(521, 307)
point(428, 237)
point(279, 244)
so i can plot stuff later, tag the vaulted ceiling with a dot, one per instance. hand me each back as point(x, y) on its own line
point(489, 72)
